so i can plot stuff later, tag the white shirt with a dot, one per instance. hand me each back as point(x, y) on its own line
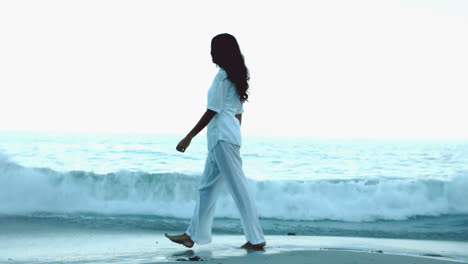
point(224, 100)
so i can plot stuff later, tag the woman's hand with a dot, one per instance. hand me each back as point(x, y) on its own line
point(183, 144)
point(204, 120)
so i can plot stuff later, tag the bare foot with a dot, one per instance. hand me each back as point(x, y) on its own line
point(181, 239)
point(249, 246)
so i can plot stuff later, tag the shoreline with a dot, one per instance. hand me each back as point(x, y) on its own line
point(75, 245)
point(323, 256)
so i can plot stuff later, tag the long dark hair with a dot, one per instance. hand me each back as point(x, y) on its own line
point(226, 53)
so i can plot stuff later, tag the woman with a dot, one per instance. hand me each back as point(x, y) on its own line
point(223, 117)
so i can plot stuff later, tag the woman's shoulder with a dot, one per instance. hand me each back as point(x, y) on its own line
point(222, 74)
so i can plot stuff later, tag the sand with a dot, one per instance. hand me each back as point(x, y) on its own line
point(324, 257)
point(64, 244)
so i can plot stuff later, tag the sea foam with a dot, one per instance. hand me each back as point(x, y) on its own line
point(26, 190)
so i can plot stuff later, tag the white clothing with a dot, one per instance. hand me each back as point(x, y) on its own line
point(223, 99)
point(224, 164)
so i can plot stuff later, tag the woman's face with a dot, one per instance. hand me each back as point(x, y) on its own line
point(212, 56)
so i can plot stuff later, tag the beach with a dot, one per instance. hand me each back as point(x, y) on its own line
point(328, 257)
point(154, 248)
point(123, 121)
point(109, 198)
point(64, 242)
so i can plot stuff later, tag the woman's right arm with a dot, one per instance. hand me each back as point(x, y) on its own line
point(239, 116)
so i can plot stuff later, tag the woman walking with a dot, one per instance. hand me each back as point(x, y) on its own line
point(223, 165)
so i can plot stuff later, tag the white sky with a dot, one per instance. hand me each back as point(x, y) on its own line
point(319, 68)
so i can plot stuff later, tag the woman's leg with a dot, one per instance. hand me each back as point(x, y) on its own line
point(230, 166)
point(211, 184)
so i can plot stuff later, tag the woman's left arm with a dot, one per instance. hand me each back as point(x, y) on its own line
point(202, 123)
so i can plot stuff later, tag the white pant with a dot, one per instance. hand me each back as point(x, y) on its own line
point(224, 164)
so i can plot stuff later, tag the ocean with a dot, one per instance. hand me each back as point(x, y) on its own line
point(412, 189)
